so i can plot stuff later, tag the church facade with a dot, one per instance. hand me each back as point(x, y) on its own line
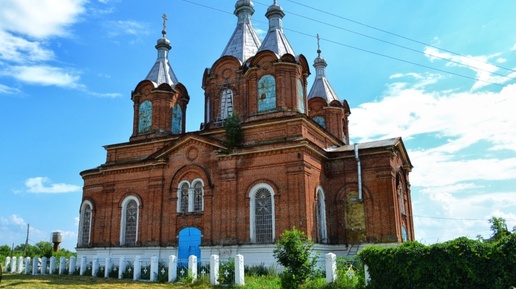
point(271, 155)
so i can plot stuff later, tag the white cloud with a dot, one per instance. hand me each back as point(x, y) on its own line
point(126, 27)
point(44, 185)
point(486, 73)
point(461, 144)
point(19, 50)
point(8, 90)
point(44, 75)
point(40, 19)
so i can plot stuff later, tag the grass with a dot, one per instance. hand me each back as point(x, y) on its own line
point(20, 281)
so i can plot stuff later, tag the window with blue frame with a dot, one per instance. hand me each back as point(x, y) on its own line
point(266, 93)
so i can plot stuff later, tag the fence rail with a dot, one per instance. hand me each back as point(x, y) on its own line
point(227, 271)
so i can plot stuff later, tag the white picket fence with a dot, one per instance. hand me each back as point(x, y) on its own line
point(122, 266)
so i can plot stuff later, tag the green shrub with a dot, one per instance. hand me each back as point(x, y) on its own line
point(227, 272)
point(459, 263)
point(294, 252)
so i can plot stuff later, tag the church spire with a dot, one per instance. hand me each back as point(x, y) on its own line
point(276, 41)
point(244, 42)
point(321, 87)
point(162, 72)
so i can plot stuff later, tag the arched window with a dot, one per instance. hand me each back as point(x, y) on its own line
point(320, 120)
point(300, 96)
point(183, 196)
point(321, 217)
point(145, 116)
point(262, 214)
point(198, 196)
point(129, 222)
point(85, 224)
point(226, 103)
point(208, 116)
point(190, 197)
point(177, 119)
point(401, 193)
point(266, 93)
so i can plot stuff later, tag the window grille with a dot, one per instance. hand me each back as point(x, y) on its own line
point(131, 222)
point(198, 197)
point(86, 225)
point(263, 216)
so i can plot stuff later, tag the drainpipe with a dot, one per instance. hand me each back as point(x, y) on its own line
point(359, 169)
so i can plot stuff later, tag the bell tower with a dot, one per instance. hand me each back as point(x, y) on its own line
point(324, 107)
point(160, 100)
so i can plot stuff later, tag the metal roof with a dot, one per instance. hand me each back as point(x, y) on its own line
point(162, 72)
point(244, 42)
point(321, 87)
point(276, 41)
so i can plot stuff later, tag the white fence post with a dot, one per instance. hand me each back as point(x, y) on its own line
point(20, 265)
point(35, 265)
point(172, 268)
point(121, 267)
point(367, 276)
point(44, 262)
point(13, 265)
point(107, 266)
point(94, 266)
point(214, 270)
point(83, 265)
point(52, 265)
point(137, 268)
point(7, 263)
point(62, 265)
point(73, 263)
point(239, 270)
point(192, 267)
point(27, 265)
point(331, 268)
point(154, 269)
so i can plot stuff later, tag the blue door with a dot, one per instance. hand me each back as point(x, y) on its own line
point(189, 244)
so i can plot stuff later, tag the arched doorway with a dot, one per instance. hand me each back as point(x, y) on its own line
point(189, 244)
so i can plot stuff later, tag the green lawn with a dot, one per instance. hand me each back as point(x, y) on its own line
point(82, 282)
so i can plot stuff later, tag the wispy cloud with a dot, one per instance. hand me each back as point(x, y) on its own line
point(44, 75)
point(44, 185)
point(486, 73)
point(126, 27)
point(8, 90)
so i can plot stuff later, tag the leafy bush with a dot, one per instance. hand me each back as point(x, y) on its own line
point(294, 252)
point(227, 272)
point(460, 263)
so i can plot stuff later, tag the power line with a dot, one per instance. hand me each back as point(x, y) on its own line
point(457, 219)
point(369, 51)
point(394, 34)
point(402, 46)
point(401, 60)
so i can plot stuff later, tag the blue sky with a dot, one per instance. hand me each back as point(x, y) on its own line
point(442, 75)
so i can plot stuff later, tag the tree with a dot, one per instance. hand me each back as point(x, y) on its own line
point(44, 249)
point(498, 228)
point(233, 129)
point(294, 251)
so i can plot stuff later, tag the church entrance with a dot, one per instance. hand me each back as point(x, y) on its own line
point(189, 244)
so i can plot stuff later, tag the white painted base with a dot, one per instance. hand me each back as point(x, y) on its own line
point(253, 254)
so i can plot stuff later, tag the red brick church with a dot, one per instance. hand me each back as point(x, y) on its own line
point(285, 161)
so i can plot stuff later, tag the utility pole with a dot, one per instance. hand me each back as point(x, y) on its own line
point(26, 242)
